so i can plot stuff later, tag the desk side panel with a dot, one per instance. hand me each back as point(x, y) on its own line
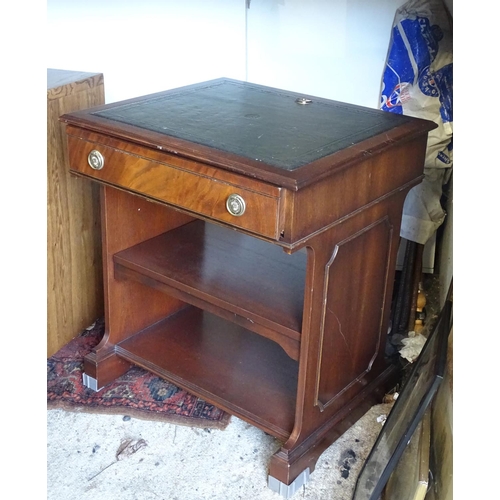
point(354, 188)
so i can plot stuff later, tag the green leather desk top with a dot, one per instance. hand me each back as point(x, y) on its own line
point(256, 122)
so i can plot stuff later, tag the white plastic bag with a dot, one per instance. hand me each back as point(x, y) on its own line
point(418, 81)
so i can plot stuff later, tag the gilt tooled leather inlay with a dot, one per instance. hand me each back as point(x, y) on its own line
point(256, 122)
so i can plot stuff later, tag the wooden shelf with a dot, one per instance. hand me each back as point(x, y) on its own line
point(229, 366)
point(235, 276)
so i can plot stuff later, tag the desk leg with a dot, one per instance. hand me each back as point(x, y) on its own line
point(342, 370)
point(129, 307)
point(291, 467)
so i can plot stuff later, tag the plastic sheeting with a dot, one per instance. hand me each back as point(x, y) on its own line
point(418, 81)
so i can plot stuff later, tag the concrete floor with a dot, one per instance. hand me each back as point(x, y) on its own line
point(183, 463)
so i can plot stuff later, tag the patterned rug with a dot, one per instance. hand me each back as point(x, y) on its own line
point(137, 393)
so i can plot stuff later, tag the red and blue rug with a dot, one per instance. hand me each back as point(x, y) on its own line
point(137, 393)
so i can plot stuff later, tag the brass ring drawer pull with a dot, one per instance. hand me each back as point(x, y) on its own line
point(235, 205)
point(96, 160)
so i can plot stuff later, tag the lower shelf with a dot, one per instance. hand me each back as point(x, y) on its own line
point(240, 372)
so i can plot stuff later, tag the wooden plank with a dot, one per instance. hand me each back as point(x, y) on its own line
point(236, 370)
point(74, 263)
point(245, 275)
point(442, 430)
point(410, 478)
point(61, 83)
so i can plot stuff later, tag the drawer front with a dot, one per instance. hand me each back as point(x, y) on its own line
point(213, 198)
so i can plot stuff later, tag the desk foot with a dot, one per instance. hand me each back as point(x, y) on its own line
point(288, 490)
point(290, 463)
point(103, 367)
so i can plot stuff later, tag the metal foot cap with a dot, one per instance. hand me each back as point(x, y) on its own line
point(288, 490)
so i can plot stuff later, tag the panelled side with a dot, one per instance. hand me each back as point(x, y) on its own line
point(355, 187)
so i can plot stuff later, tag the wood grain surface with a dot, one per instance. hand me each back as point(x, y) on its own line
point(74, 263)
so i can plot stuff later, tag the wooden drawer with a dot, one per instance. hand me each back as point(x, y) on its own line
point(195, 191)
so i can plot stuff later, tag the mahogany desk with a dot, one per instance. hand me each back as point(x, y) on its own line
point(249, 245)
